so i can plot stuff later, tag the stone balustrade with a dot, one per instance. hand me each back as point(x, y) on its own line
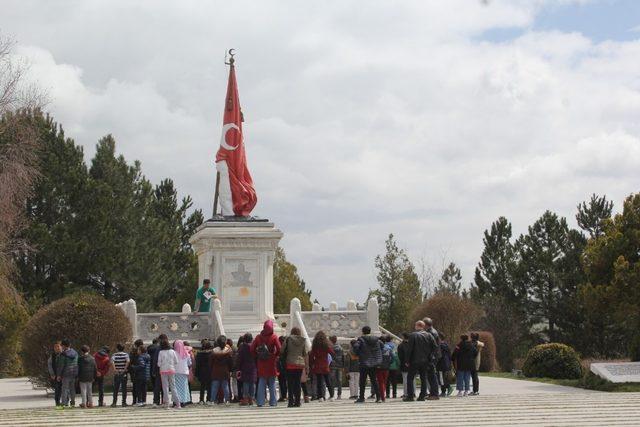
point(184, 325)
point(194, 327)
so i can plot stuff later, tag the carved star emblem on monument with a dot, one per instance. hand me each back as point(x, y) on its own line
point(241, 277)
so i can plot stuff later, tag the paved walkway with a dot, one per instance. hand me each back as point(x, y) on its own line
point(503, 402)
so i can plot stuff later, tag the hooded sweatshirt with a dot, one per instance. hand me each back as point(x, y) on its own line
point(295, 349)
point(267, 368)
point(369, 350)
point(221, 363)
point(103, 362)
point(247, 364)
point(69, 363)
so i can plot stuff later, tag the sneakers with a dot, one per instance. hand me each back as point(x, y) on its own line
point(114, 404)
point(59, 407)
point(449, 391)
point(460, 394)
point(408, 399)
point(433, 398)
point(339, 398)
point(359, 401)
point(474, 393)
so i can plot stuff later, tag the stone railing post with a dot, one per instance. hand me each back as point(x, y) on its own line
point(316, 307)
point(333, 306)
point(351, 305)
point(186, 308)
point(217, 314)
point(373, 316)
point(295, 314)
point(131, 311)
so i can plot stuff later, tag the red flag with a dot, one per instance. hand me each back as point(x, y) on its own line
point(232, 152)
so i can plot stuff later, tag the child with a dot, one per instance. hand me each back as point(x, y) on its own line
point(403, 359)
point(143, 372)
point(337, 366)
point(167, 365)
point(120, 364)
point(236, 368)
point(353, 372)
point(52, 365)
point(319, 362)
point(133, 367)
point(464, 358)
point(221, 365)
point(382, 371)
point(203, 371)
point(182, 371)
point(86, 374)
point(282, 375)
point(103, 365)
point(233, 381)
point(68, 372)
point(248, 370)
point(444, 367)
point(394, 369)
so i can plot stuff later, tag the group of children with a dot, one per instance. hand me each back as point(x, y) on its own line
point(225, 373)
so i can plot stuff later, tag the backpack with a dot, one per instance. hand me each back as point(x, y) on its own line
point(387, 357)
point(338, 360)
point(437, 351)
point(263, 352)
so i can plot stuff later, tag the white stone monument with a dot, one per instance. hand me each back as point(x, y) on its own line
point(237, 256)
point(618, 372)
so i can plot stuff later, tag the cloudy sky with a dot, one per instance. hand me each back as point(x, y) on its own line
point(426, 119)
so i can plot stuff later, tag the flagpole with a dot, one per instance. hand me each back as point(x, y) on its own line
point(217, 191)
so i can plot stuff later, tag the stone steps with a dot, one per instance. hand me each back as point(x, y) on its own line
point(558, 409)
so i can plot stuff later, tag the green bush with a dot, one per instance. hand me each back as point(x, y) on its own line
point(552, 360)
point(81, 318)
point(13, 316)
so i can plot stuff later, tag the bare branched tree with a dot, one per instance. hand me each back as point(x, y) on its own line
point(18, 145)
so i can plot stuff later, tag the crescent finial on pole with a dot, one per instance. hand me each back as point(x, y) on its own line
point(231, 53)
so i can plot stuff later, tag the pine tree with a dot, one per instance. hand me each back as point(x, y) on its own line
point(591, 216)
point(501, 296)
point(399, 290)
point(612, 295)
point(450, 281)
point(551, 271)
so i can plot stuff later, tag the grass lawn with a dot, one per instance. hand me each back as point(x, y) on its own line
point(589, 381)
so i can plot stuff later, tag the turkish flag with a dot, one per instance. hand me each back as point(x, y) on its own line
point(232, 152)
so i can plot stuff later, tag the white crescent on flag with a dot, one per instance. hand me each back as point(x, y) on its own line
point(223, 138)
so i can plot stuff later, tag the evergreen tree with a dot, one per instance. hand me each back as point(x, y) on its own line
point(450, 281)
point(591, 216)
point(399, 290)
point(550, 269)
point(54, 259)
point(612, 295)
point(501, 296)
point(105, 229)
point(287, 285)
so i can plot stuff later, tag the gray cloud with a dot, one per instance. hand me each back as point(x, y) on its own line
point(361, 118)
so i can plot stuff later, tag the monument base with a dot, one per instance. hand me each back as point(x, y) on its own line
point(237, 257)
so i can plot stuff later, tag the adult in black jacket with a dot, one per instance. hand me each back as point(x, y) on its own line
point(402, 357)
point(369, 350)
point(419, 360)
point(202, 370)
point(154, 350)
